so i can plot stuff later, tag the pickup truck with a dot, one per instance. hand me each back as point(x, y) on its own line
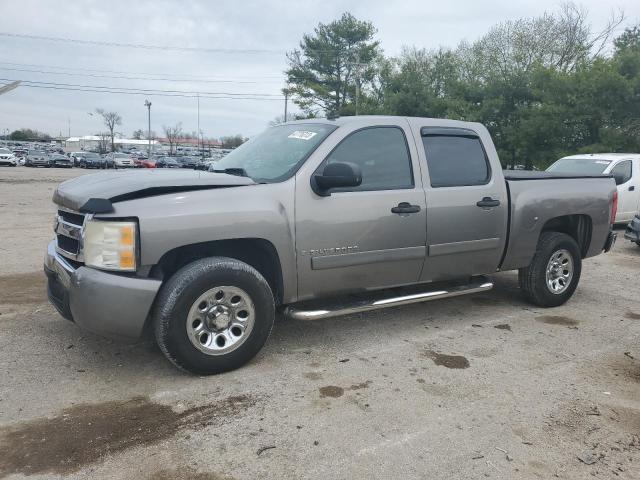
point(314, 218)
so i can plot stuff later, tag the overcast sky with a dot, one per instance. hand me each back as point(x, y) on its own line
point(276, 26)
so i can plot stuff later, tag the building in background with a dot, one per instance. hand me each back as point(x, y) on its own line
point(92, 142)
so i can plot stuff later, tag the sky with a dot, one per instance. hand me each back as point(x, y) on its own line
point(258, 33)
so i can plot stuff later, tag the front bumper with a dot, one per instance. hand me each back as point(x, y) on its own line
point(104, 303)
point(633, 230)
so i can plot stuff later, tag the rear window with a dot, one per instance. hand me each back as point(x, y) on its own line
point(455, 160)
point(579, 166)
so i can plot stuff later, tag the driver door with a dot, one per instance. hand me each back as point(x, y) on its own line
point(351, 240)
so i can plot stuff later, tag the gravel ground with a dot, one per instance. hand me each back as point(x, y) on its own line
point(471, 387)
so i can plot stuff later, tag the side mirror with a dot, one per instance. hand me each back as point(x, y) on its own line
point(336, 175)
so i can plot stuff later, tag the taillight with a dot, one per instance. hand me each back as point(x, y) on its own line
point(614, 207)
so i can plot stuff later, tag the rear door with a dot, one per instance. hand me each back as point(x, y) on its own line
point(356, 238)
point(467, 203)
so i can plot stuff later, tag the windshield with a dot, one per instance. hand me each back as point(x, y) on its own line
point(90, 155)
point(120, 155)
point(580, 166)
point(37, 152)
point(276, 154)
point(4, 150)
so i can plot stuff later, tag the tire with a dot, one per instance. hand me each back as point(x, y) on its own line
point(534, 280)
point(180, 298)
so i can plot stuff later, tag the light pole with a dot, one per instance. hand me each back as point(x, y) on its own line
point(198, 124)
point(147, 104)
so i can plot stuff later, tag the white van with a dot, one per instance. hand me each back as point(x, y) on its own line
point(625, 168)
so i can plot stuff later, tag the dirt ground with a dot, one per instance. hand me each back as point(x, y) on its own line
point(483, 386)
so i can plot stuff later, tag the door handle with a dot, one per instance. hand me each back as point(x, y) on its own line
point(488, 202)
point(405, 207)
point(632, 188)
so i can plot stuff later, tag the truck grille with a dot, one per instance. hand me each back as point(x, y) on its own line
point(68, 229)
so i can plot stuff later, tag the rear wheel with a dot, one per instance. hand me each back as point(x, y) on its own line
point(213, 315)
point(554, 272)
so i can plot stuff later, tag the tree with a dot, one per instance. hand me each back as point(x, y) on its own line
point(324, 70)
point(290, 117)
point(25, 134)
point(111, 120)
point(103, 142)
point(232, 141)
point(138, 134)
point(629, 40)
point(173, 135)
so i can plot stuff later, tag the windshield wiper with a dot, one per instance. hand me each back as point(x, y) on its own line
point(240, 172)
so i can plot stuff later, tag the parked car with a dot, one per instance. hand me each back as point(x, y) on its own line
point(20, 152)
point(90, 160)
point(167, 162)
point(37, 158)
point(75, 157)
point(625, 169)
point(145, 163)
point(207, 165)
point(188, 161)
point(305, 213)
point(8, 158)
point(633, 230)
point(121, 160)
point(57, 160)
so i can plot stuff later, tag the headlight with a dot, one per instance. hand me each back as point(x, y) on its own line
point(110, 245)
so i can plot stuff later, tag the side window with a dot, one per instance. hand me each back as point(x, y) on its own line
point(382, 155)
point(622, 172)
point(456, 160)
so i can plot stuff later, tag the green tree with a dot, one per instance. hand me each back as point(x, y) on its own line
point(326, 69)
point(232, 141)
point(25, 134)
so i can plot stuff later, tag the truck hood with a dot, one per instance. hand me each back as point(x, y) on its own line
point(98, 192)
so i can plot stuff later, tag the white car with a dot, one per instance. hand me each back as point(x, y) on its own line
point(121, 160)
point(624, 167)
point(7, 157)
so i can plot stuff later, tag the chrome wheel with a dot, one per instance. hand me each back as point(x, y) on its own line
point(220, 320)
point(559, 271)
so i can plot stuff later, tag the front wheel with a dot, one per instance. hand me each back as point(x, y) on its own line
point(213, 315)
point(554, 272)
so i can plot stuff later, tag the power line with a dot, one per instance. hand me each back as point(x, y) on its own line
point(158, 93)
point(140, 45)
point(121, 77)
point(159, 47)
point(164, 74)
point(148, 90)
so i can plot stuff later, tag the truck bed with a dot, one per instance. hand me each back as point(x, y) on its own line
point(537, 197)
point(541, 175)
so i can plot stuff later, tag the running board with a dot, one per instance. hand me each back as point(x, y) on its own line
point(477, 284)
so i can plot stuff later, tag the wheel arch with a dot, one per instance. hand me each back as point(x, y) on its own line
point(577, 226)
point(261, 254)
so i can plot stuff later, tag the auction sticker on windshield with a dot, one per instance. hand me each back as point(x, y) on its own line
point(303, 135)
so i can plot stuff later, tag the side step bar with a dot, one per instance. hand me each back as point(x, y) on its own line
point(297, 312)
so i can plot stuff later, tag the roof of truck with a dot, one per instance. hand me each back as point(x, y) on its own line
point(382, 119)
point(604, 156)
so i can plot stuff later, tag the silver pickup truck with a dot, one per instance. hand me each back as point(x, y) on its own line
point(315, 218)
